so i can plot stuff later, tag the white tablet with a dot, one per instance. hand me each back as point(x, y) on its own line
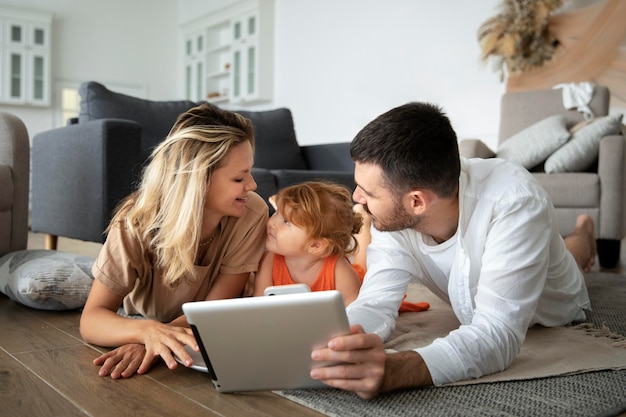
point(264, 343)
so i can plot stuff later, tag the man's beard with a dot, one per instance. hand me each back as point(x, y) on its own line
point(398, 219)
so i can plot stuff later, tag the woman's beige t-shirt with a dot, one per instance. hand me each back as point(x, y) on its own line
point(127, 270)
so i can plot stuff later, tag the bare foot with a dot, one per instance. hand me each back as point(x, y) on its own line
point(582, 242)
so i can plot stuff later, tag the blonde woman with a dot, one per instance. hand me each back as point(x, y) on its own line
point(194, 230)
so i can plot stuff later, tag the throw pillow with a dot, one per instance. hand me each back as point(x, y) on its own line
point(46, 280)
point(534, 144)
point(582, 150)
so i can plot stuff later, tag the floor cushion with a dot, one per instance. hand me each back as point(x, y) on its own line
point(46, 280)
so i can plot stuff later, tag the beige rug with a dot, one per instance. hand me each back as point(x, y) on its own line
point(546, 351)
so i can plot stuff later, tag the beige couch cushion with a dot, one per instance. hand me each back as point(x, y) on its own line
point(582, 149)
point(534, 144)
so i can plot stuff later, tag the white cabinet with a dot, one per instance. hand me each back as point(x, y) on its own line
point(235, 61)
point(25, 57)
point(194, 66)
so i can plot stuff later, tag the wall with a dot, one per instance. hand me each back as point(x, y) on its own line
point(338, 63)
point(130, 43)
point(341, 63)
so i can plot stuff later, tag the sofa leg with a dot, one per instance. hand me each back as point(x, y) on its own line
point(51, 242)
point(608, 252)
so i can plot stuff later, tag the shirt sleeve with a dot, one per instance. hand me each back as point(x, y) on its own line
point(498, 306)
point(389, 271)
point(120, 261)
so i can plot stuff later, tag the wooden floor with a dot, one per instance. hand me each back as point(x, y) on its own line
point(46, 370)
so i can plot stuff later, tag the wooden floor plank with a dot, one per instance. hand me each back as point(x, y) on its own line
point(71, 372)
point(21, 393)
point(22, 331)
point(198, 386)
point(45, 358)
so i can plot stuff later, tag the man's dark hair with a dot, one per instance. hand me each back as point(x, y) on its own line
point(415, 146)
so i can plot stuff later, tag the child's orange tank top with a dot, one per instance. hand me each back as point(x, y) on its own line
point(325, 280)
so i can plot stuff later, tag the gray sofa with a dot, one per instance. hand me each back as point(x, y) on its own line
point(598, 190)
point(81, 171)
point(14, 183)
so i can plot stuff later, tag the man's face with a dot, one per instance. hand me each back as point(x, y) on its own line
point(388, 211)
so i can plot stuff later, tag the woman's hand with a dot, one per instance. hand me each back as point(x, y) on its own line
point(160, 340)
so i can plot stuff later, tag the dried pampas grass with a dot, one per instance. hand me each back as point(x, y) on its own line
point(518, 38)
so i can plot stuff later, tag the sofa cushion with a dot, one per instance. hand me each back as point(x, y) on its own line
point(47, 280)
point(534, 144)
point(276, 146)
point(582, 150)
point(156, 118)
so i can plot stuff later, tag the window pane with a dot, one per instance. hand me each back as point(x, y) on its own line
point(251, 70)
point(236, 73)
point(70, 103)
point(16, 33)
point(252, 25)
point(40, 37)
point(38, 81)
point(16, 75)
point(199, 93)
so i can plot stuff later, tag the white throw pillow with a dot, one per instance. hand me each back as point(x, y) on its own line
point(534, 144)
point(47, 280)
point(582, 150)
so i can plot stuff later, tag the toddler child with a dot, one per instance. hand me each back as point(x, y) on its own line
point(309, 240)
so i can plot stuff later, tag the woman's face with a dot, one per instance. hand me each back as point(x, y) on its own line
point(227, 193)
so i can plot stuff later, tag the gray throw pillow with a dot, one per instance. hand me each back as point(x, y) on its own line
point(46, 280)
point(582, 150)
point(534, 144)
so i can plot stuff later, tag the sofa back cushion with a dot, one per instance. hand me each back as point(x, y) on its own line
point(156, 118)
point(275, 137)
point(276, 146)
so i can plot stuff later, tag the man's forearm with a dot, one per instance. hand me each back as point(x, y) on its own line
point(405, 370)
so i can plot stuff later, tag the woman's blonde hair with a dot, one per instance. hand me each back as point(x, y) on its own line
point(324, 211)
point(165, 213)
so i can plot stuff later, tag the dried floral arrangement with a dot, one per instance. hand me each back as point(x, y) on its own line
point(518, 38)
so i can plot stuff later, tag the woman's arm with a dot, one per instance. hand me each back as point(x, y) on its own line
point(263, 278)
point(101, 325)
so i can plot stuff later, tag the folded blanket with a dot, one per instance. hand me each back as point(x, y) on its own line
point(577, 96)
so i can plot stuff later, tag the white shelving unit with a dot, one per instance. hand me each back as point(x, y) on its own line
point(229, 54)
point(25, 46)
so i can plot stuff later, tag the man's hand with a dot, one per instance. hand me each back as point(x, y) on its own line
point(367, 370)
point(363, 356)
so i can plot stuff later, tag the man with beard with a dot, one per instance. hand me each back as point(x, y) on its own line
point(480, 234)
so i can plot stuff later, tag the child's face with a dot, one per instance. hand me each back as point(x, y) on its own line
point(285, 238)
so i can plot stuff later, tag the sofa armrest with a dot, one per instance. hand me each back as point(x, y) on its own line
point(475, 148)
point(612, 173)
point(328, 157)
point(15, 157)
point(80, 173)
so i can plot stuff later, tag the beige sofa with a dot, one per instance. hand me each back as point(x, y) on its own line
point(14, 183)
point(599, 190)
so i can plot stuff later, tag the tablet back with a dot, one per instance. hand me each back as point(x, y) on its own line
point(264, 343)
